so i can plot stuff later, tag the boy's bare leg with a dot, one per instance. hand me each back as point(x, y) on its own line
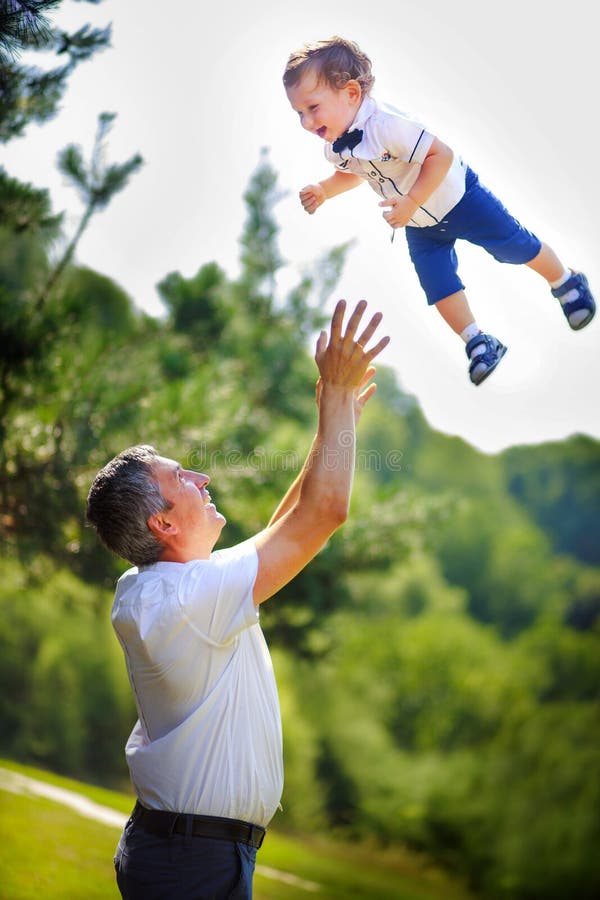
point(455, 311)
point(547, 264)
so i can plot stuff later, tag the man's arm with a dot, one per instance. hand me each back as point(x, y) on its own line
point(323, 489)
point(361, 395)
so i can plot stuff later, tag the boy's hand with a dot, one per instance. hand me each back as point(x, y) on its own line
point(401, 210)
point(312, 196)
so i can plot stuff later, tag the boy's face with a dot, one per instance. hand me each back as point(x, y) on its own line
point(324, 110)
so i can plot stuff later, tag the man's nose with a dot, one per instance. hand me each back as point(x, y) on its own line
point(200, 478)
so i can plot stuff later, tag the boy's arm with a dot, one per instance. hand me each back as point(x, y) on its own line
point(433, 171)
point(314, 195)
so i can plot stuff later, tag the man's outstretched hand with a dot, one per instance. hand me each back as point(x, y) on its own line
point(362, 394)
point(342, 359)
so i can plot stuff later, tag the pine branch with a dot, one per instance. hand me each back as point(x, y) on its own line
point(25, 208)
point(28, 95)
point(96, 184)
point(83, 43)
point(23, 24)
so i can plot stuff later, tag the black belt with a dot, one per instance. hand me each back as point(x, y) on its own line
point(164, 823)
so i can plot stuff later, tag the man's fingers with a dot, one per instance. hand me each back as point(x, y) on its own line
point(369, 372)
point(376, 350)
point(370, 329)
point(321, 345)
point(355, 318)
point(366, 395)
point(337, 319)
point(348, 341)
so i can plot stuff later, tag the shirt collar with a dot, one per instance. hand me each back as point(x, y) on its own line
point(365, 111)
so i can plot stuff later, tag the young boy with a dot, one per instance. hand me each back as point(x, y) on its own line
point(426, 189)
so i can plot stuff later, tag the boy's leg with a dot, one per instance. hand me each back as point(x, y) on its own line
point(483, 350)
point(482, 219)
point(547, 264)
point(456, 312)
point(434, 258)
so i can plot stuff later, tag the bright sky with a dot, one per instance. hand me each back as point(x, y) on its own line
point(511, 87)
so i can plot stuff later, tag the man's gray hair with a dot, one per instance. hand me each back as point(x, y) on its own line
point(123, 496)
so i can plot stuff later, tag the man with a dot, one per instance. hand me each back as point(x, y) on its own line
point(205, 754)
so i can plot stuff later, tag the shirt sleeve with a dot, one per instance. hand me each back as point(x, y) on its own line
point(405, 138)
point(215, 595)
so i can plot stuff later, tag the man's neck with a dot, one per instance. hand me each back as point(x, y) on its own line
point(185, 554)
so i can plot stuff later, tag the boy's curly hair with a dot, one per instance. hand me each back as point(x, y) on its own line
point(335, 61)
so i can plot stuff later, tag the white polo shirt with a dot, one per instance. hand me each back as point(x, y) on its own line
point(208, 739)
point(390, 155)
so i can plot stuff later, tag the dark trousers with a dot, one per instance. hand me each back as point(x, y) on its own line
point(181, 867)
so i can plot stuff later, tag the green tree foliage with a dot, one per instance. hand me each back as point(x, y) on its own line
point(560, 485)
point(96, 183)
point(25, 208)
point(58, 669)
point(44, 347)
point(196, 305)
point(29, 93)
point(23, 23)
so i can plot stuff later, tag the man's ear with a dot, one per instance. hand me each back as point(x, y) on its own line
point(161, 527)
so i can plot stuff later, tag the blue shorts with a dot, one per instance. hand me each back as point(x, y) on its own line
point(480, 218)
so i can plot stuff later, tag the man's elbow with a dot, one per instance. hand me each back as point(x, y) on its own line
point(325, 511)
point(337, 512)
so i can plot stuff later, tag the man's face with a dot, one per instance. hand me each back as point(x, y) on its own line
point(192, 511)
point(323, 110)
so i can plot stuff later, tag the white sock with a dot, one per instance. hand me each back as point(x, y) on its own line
point(579, 315)
point(560, 281)
point(470, 332)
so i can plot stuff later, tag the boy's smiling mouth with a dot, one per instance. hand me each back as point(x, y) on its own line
point(321, 131)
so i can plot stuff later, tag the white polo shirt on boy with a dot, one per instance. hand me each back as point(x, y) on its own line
point(208, 739)
point(390, 155)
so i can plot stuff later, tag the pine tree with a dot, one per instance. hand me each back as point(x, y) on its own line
point(29, 93)
point(29, 325)
point(22, 24)
point(96, 183)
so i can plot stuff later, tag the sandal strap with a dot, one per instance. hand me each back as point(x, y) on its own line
point(583, 301)
point(577, 282)
point(488, 358)
point(480, 338)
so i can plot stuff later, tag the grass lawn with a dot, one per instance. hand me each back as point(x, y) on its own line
point(49, 851)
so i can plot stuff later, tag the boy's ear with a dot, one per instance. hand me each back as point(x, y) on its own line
point(160, 526)
point(353, 90)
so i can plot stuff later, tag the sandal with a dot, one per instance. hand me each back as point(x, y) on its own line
point(483, 364)
point(583, 301)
